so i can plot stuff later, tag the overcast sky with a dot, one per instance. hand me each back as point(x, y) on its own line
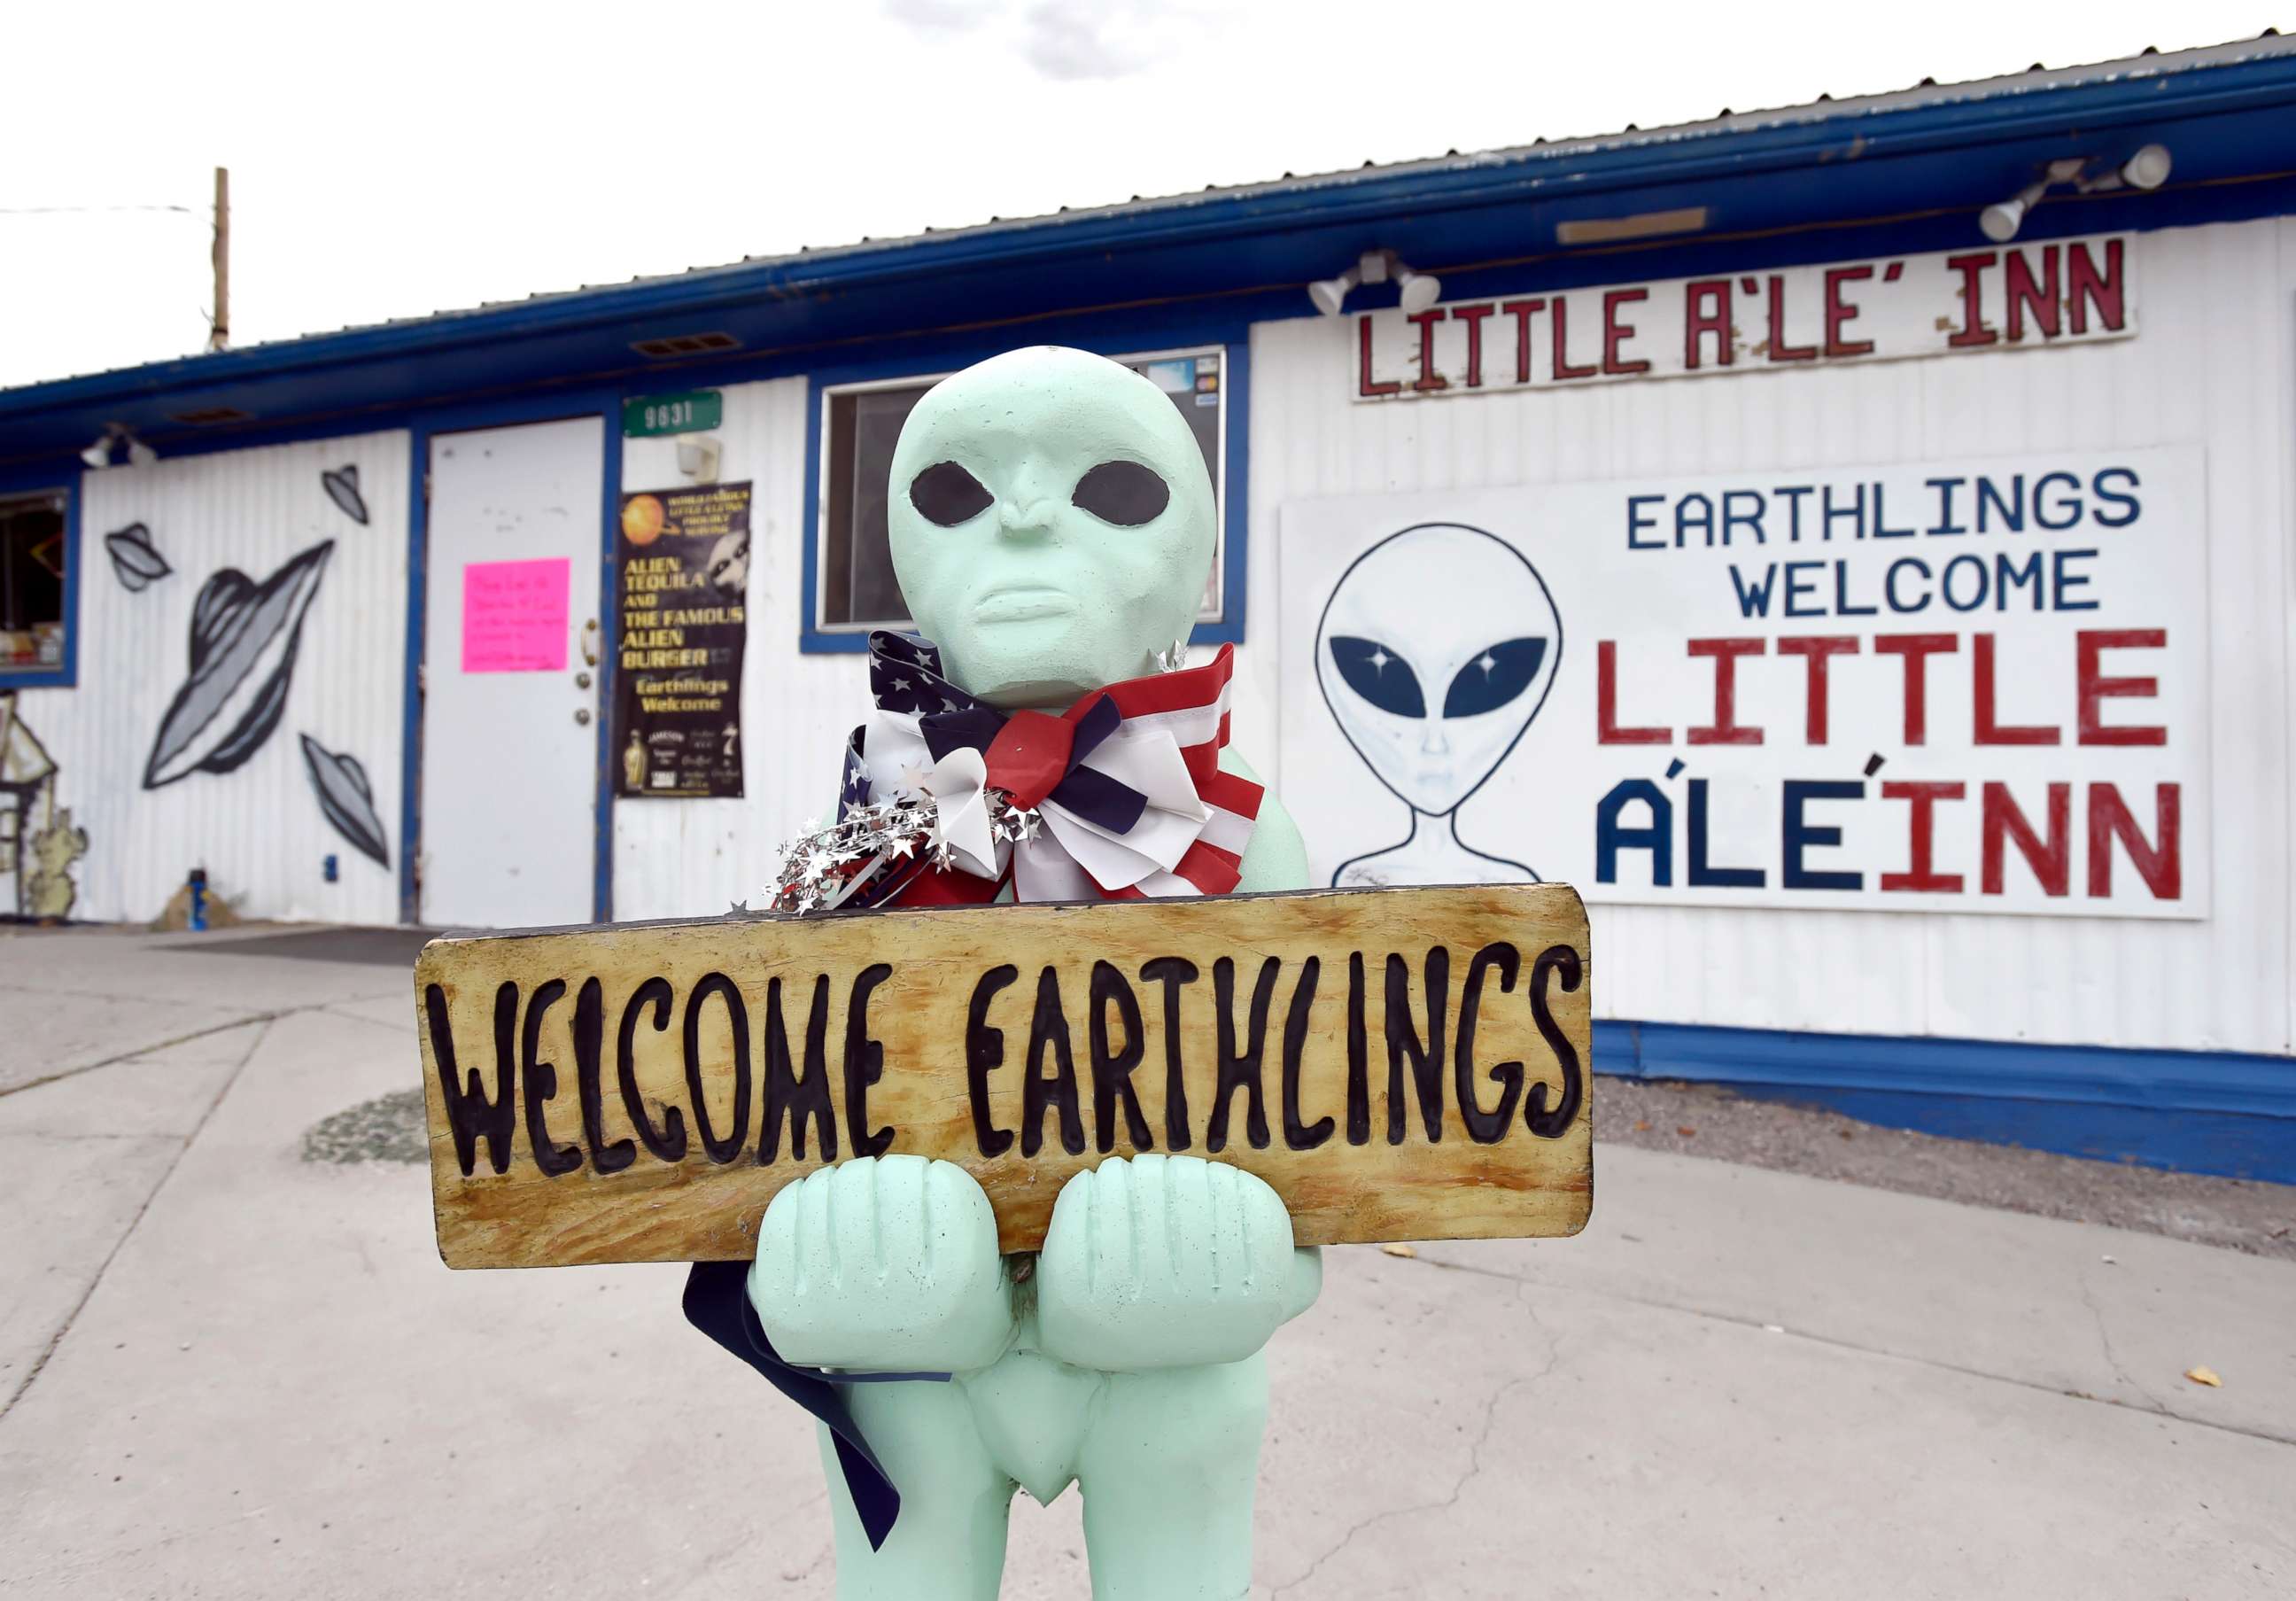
point(429, 156)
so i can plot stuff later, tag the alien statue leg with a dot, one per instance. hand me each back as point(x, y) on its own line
point(948, 1543)
point(1170, 1273)
point(890, 1264)
point(1174, 1449)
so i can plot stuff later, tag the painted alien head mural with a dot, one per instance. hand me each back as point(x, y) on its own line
point(1052, 522)
point(1436, 649)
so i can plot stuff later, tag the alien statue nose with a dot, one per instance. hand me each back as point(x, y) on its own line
point(1033, 520)
point(1431, 742)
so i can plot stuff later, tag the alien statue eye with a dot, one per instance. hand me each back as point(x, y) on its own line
point(1124, 493)
point(1496, 677)
point(947, 494)
point(1379, 675)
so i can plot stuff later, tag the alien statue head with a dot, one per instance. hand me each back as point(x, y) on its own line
point(1436, 650)
point(1052, 522)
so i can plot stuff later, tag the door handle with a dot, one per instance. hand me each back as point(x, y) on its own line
point(590, 643)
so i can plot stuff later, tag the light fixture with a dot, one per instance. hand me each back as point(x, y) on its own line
point(1415, 290)
point(2003, 218)
point(139, 454)
point(2148, 168)
point(1331, 293)
point(98, 454)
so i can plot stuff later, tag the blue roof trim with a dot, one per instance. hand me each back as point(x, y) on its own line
point(2226, 112)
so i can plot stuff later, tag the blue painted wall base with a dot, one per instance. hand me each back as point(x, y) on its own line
point(2195, 1112)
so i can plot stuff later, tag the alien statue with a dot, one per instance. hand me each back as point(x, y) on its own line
point(1052, 525)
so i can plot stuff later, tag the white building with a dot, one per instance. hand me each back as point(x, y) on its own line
point(1872, 590)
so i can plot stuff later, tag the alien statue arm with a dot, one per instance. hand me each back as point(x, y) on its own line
point(890, 1264)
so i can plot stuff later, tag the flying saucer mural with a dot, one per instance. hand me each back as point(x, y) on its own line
point(342, 488)
point(244, 637)
point(346, 798)
point(134, 563)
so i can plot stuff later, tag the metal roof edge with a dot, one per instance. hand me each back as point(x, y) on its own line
point(2200, 82)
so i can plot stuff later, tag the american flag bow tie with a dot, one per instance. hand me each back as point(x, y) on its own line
point(1126, 784)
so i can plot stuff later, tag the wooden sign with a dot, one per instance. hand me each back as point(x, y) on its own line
point(1405, 1063)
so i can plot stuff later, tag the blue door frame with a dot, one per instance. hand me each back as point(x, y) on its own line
point(605, 405)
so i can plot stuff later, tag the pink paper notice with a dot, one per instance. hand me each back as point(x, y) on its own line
point(514, 615)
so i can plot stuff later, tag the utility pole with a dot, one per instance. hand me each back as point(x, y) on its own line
point(219, 334)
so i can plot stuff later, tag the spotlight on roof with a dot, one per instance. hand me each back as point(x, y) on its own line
point(98, 454)
point(1416, 290)
point(1331, 293)
point(2003, 218)
point(2148, 168)
point(139, 454)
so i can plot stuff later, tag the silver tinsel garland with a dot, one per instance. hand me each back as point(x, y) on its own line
point(824, 868)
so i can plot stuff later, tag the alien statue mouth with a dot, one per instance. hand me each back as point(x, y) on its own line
point(1023, 603)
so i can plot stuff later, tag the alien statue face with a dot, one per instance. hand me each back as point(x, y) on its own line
point(1052, 525)
point(1436, 650)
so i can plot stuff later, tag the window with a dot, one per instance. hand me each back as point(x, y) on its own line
point(32, 556)
point(860, 423)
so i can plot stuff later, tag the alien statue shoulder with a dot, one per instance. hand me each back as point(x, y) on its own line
point(1053, 526)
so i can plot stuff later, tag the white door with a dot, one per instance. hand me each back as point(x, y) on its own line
point(510, 741)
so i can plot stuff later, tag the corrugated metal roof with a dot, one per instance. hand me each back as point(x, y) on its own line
point(1928, 93)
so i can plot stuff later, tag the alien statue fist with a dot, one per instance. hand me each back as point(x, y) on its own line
point(1052, 525)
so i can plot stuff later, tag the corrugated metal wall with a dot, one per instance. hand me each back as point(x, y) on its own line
point(257, 829)
point(692, 857)
point(2212, 366)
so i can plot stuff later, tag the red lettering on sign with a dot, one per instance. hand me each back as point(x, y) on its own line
point(1840, 313)
point(1916, 649)
point(2095, 688)
point(1363, 385)
point(2158, 863)
point(1607, 731)
point(1429, 378)
point(1615, 333)
point(1706, 309)
point(1921, 874)
point(1989, 731)
point(2024, 294)
point(1818, 651)
point(1726, 728)
point(1779, 351)
point(1523, 311)
point(1473, 316)
point(1563, 367)
point(2086, 286)
point(1971, 268)
point(2051, 861)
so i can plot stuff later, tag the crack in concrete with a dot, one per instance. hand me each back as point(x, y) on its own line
point(1474, 1453)
point(2104, 1343)
point(57, 1340)
point(2157, 1409)
point(250, 1021)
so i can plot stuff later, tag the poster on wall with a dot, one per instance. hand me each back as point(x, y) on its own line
point(1952, 686)
point(684, 580)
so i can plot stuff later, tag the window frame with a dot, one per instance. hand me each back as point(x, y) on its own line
point(819, 637)
point(65, 674)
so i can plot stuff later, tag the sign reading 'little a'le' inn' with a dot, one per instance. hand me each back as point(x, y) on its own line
point(2004, 297)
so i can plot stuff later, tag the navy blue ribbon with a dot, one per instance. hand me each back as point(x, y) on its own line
point(717, 1302)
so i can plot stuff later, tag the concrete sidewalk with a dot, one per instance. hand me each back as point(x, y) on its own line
point(228, 1370)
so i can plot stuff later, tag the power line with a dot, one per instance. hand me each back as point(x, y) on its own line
point(60, 211)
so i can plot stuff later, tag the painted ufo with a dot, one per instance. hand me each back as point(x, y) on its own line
point(134, 563)
point(341, 486)
point(243, 640)
point(345, 797)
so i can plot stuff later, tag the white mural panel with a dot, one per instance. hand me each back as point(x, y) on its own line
point(1947, 686)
